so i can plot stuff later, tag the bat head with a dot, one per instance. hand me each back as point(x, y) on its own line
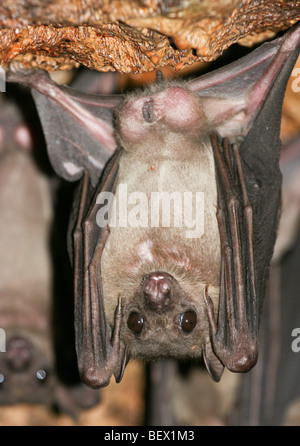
point(163, 317)
point(26, 369)
point(161, 320)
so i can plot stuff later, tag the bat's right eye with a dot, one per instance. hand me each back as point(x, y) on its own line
point(135, 322)
point(188, 321)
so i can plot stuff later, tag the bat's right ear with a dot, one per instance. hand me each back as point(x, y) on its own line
point(78, 127)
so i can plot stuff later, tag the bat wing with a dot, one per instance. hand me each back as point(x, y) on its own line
point(246, 99)
point(100, 353)
point(260, 155)
point(78, 127)
point(267, 392)
point(249, 196)
point(233, 95)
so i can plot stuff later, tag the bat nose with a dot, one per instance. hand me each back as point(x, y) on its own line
point(18, 353)
point(158, 290)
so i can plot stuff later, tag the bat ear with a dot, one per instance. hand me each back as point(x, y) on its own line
point(213, 364)
point(78, 127)
point(124, 361)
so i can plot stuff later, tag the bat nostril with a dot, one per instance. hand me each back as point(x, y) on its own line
point(18, 353)
point(157, 291)
point(164, 288)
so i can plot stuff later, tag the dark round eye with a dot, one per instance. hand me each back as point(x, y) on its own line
point(188, 321)
point(135, 322)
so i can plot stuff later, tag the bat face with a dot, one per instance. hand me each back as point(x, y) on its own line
point(172, 241)
point(161, 320)
point(27, 373)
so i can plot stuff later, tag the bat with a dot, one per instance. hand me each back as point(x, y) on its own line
point(145, 286)
point(28, 362)
point(27, 365)
point(268, 392)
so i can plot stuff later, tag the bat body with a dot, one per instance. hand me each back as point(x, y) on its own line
point(160, 155)
point(29, 366)
point(189, 283)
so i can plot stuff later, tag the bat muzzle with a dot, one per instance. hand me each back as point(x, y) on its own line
point(157, 288)
point(18, 353)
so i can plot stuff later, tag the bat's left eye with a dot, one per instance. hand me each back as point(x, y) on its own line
point(135, 322)
point(188, 321)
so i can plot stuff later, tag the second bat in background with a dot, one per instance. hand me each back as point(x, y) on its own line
point(144, 289)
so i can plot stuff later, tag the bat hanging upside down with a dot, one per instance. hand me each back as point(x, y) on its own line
point(147, 287)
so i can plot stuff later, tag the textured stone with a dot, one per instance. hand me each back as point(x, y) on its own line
point(134, 36)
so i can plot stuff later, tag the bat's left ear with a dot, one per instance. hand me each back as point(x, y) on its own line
point(78, 127)
point(213, 364)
